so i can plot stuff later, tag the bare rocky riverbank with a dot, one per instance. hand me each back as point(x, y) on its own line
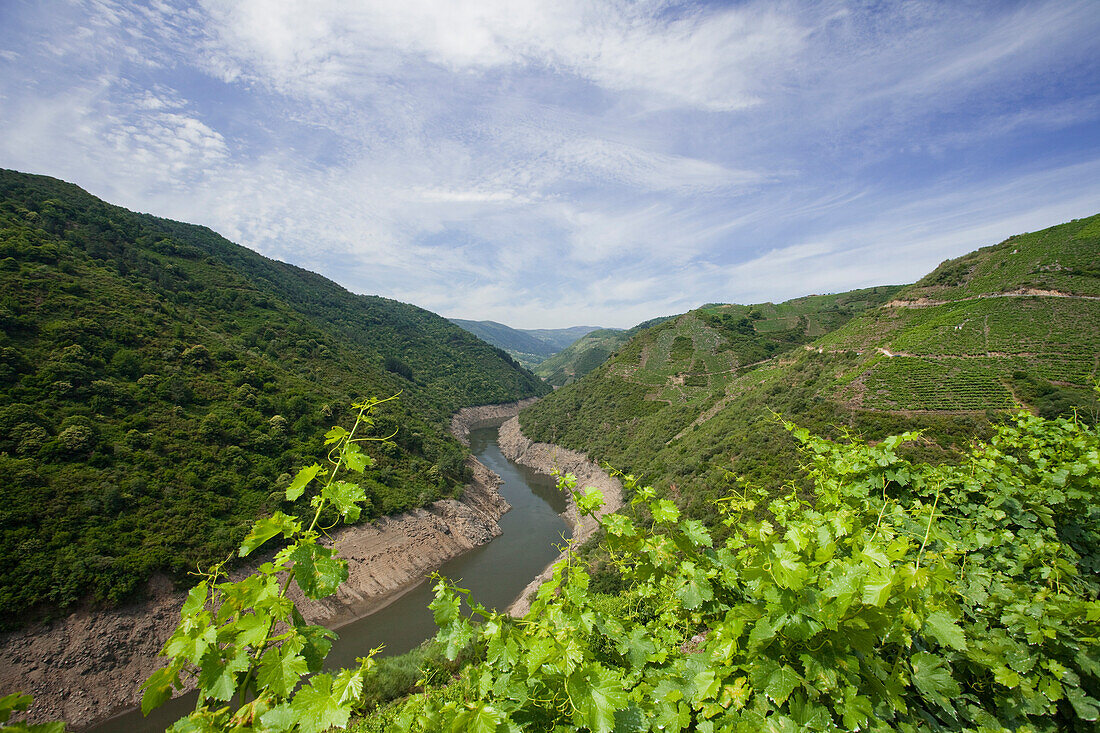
point(89, 665)
point(547, 458)
point(484, 416)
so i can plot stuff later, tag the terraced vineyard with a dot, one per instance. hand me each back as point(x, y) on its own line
point(912, 383)
point(587, 353)
point(1016, 324)
point(691, 360)
point(961, 338)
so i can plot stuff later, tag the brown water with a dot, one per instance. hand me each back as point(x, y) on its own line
point(495, 573)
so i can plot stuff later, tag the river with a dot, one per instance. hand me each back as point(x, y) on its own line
point(495, 573)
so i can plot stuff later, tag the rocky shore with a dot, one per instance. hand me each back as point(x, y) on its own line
point(89, 665)
point(484, 416)
point(547, 458)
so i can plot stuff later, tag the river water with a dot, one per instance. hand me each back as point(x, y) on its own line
point(495, 573)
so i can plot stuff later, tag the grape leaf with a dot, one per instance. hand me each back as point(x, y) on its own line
point(618, 525)
point(944, 630)
point(265, 529)
point(251, 629)
point(317, 641)
point(876, 589)
point(762, 632)
point(335, 435)
point(479, 717)
point(845, 583)
point(631, 720)
point(191, 644)
point(218, 678)
point(348, 686)
point(637, 646)
point(854, 711)
point(158, 690)
point(279, 718)
point(696, 590)
point(298, 485)
point(664, 510)
point(596, 693)
point(317, 709)
point(316, 571)
point(280, 670)
point(356, 459)
point(196, 600)
point(933, 678)
point(696, 533)
point(781, 683)
point(589, 501)
point(346, 497)
point(1086, 707)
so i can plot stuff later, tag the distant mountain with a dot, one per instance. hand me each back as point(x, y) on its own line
point(527, 346)
point(587, 352)
point(691, 403)
point(159, 384)
point(560, 338)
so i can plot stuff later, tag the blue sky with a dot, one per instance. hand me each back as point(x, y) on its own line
point(546, 164)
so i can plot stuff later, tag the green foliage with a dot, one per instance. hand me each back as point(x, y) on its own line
point(906, 596)
point(587, 353)
point(247, 639)
point(530, 347)
point(18, 702)
point(868, 367)
point(157, 382)
point(1061, 258)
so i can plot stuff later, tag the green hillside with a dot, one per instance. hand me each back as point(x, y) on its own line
point(520, 345)
point(586, 353)
point(560, 338)
point(529, 347)
point(1061, 259)
point(998, 327)
point(690, 404)
point(159, 382)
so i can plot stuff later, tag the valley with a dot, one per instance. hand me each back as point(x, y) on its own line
point(549, 367)
point(162, 385)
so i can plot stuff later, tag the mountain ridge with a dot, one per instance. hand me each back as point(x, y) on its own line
point(529, 346)
point(690, 425)
point(160, 384)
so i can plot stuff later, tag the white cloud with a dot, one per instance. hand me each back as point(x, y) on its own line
point(905, 240)
point(611, 161)
point(546, 163)
point(713, 60)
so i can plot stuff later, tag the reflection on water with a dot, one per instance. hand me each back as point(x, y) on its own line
point(495, 573)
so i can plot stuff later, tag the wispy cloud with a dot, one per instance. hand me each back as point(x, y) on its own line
point(712, 60)
point(548, 163)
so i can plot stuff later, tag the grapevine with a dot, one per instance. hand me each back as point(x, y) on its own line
point(905, 597)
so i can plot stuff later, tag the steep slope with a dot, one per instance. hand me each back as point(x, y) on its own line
point(519, 344)
point(665, 407)
point(994, 328)
point(527, 346)
point(560, 338)
point(159, 383)
point(587, 352)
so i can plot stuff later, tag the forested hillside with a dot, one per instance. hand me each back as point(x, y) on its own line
point(691, 404)
point(528, 346)
point(587, 353)
point(159, 382)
